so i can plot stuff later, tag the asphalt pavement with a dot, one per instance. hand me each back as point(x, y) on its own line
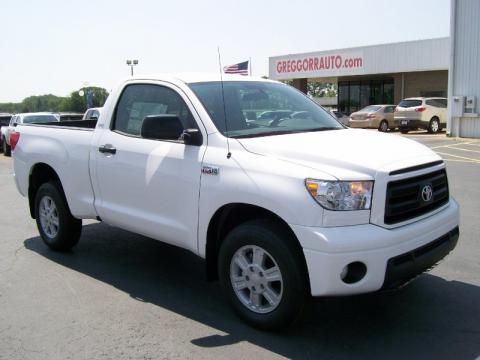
point(122, 296)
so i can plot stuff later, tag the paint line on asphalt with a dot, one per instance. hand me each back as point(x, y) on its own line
point(448, 145)
point(455, 148)
point(462, 161)
point(460, 157)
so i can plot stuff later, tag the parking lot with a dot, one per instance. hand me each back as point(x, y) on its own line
point(122, 296)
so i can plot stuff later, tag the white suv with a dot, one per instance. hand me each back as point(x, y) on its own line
point(429, 113)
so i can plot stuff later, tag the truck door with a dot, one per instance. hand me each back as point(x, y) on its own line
point(148, 186)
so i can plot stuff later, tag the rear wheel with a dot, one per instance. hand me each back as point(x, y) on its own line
point(383, 127)
point(6, 148)
point(263, 274)
point(58, 228)
point(434, 126)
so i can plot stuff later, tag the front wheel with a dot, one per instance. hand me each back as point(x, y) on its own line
point(263, 273)
point(58, 228)
point(434, 126)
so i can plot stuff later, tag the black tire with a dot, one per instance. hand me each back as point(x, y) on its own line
point(404, 131)
point(69, 228)
point(383, 127)
point(273, 238)
point(434, 126)
point(6, 149)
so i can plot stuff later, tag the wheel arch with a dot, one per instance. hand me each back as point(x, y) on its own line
point(40, 173)
point(229, 216)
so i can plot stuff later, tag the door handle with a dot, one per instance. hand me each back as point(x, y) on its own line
point(107, 149)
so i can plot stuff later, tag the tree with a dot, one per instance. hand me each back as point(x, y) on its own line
point(318, 89)
point(75, 102)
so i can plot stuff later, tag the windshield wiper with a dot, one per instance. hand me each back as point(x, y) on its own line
point(271, 133)
point(267, 133)
point(321, 129)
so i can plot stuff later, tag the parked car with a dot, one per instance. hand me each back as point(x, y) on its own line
point(303, 208)
point(27, 118)
point(429, 113)
point(374, 117)
point(4, 121)
point(92, 114)
point(341, 117)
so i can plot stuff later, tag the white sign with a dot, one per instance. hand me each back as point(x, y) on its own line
point(313, 65)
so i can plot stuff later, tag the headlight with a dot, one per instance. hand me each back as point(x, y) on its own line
point(341, 195)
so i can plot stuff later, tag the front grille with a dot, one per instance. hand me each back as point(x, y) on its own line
point(404, 197)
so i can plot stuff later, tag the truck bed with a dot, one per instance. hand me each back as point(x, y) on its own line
point(65, 147)
point(78, 124)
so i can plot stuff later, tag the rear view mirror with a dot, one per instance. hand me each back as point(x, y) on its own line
point(161, 127)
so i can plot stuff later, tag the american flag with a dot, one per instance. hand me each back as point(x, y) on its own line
point(240, 68)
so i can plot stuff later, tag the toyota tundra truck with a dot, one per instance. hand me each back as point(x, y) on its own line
point(281, 210)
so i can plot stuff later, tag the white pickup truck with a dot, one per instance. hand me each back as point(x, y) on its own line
point(280, 210)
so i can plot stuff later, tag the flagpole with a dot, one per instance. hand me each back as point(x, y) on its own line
point(250, 65)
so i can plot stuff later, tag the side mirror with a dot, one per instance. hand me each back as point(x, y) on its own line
point(192, 137)
point(161, 127)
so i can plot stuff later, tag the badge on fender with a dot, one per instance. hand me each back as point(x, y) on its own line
point(210, 170)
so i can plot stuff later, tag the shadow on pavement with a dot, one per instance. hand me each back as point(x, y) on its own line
point(431, 317)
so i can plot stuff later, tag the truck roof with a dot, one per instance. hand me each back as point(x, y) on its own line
point(196, 77)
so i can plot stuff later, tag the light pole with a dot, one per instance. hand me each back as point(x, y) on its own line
point(132, 63)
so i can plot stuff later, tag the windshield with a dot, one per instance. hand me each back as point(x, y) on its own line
point(371, 108)
point(37, 119)
point(255, 108)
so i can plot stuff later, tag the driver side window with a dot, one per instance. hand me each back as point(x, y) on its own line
point(141, 100)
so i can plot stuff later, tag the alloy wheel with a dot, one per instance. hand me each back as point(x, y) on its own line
point(256, 279)
point(49, 218)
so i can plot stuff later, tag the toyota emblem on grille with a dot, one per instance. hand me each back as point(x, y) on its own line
point(427, 193)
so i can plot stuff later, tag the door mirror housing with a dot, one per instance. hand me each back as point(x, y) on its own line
point(162, 127)
point(192, 137)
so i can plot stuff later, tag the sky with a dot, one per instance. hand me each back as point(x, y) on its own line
point(58, 46)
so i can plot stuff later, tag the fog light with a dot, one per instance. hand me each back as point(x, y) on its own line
point(353, 272)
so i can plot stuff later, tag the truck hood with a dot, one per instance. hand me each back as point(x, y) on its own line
point(345, 153)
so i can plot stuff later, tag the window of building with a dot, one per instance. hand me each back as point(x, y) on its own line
point(355, 95)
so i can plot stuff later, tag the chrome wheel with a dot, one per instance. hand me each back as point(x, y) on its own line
point(434, 126)
point(256, 279)
point(49, 218)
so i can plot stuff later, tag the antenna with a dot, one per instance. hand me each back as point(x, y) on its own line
point(229, 154)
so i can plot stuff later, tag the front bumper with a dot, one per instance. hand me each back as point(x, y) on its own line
point(405, 267)
point(328, 250)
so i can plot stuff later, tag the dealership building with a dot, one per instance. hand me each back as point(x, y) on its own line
point(387, 73)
